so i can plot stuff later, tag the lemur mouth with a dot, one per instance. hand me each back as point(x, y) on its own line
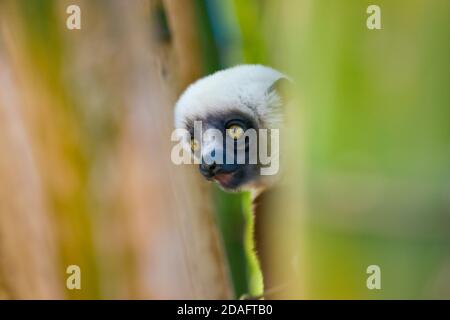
point(224, 178)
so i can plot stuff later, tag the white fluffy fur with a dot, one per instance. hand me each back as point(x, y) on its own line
point(243, 87)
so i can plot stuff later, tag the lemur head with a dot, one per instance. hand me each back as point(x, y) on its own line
point(223, 114)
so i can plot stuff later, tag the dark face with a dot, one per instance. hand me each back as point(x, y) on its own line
point(227, 159)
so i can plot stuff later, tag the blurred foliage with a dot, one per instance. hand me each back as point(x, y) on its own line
point(374, 106)
point(46, 53)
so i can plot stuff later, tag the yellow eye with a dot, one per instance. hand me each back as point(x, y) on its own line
point(194, 145)
point(235, 131)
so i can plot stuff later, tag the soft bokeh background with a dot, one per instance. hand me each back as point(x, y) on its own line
point(85, 171)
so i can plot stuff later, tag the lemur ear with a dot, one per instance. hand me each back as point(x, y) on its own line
point(283, 88)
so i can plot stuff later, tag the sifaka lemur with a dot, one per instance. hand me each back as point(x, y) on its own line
point(228, 104)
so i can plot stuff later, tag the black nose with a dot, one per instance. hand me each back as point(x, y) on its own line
point(209, 170)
